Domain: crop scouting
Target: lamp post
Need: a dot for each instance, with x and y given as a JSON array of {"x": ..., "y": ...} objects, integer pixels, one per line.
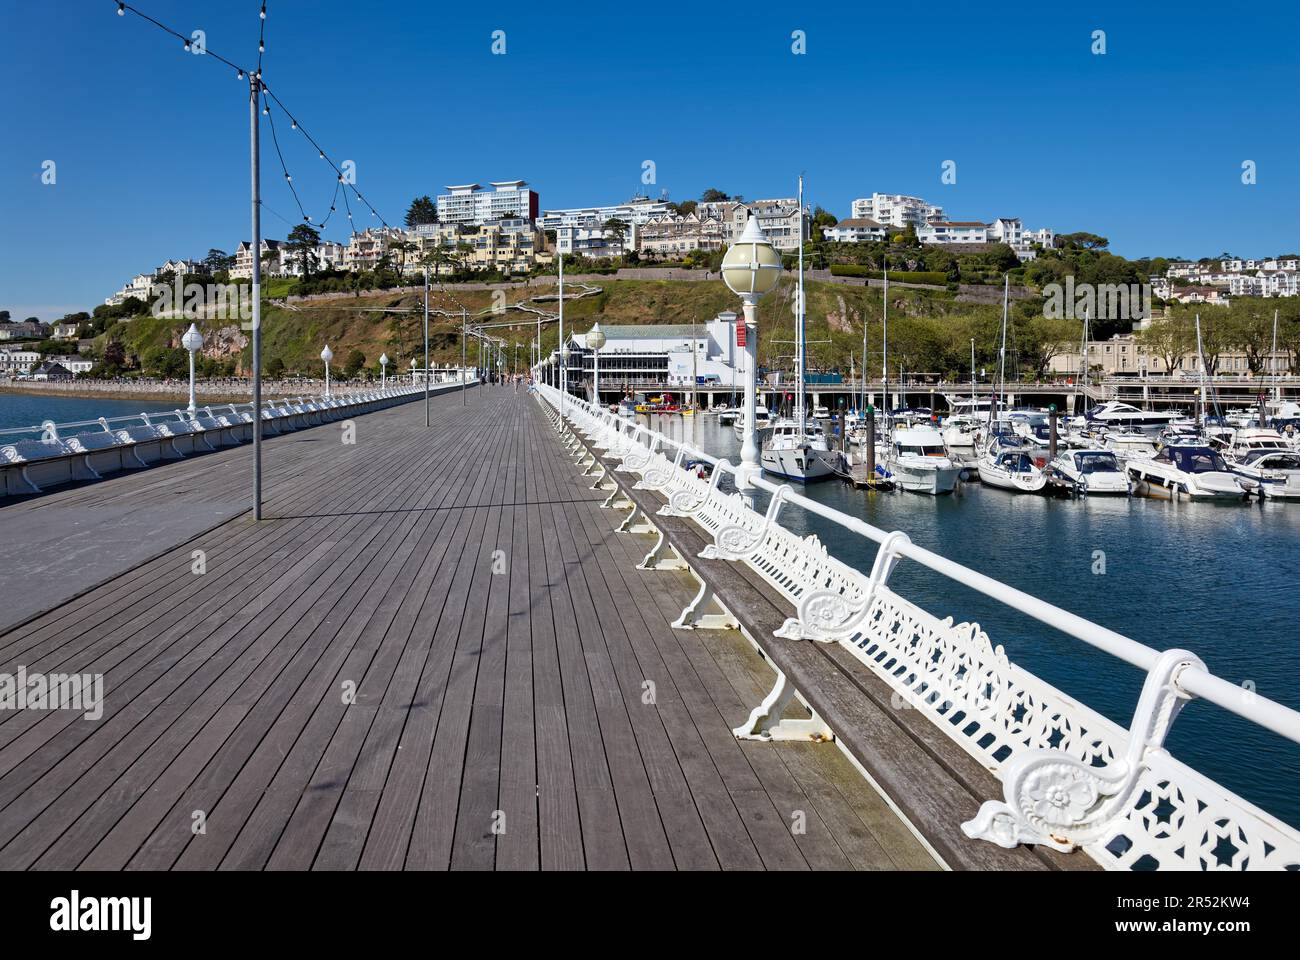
[
  {"x": 750, "y": 269},
  {"x": 192, "y": 341},
  {"x": 564, "y": 372},
  {"x": 383, "y": 371},
  {"x": 596, "y": 340},
  {"x": 327, "y": 355}
]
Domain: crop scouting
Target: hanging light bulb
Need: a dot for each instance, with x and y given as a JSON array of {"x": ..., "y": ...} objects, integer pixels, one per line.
[
  {"x": 121, "y": 9},
  {"x": 293, "y": 125},
  {"x": 266, "y": 111},
  {"x": 322, "y": 154},
  {"x": 263, "y": 11},
  {"x": 289, "y": 178},
  {"x": 261, "y": 47},
  {"x": 239, "y": 74},
  {"x": 307, "y": 218},
  {"x": 187, "y": 44}
]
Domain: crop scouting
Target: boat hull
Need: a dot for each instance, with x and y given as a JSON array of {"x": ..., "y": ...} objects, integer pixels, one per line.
[
  {"x": 802, "y": 467},
  {"x": 914, "y": 479},
  {"x": 1015, "y": 482}
]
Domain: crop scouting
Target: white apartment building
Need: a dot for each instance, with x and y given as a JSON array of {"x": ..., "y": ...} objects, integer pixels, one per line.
[
  {"x": 1008, "y": 230},
  {"x": 779, "y": 219},
  {"x": 594, "y": 242},
  {"x": 674, "y": 235},
  {"x": 13, "y": 362},
  {"x": 638, "y": 211},
  {"x": 75, "y": 364},
  {"x": 896, "y": 210},
  {"x": 956, "y": 231},
  {"x": 855, "y": 230},
  {"x": 470, "y": 203},
  {"x": 140, "y": 287},
  {"x": 272, "y": 259},
  {"x": 367, "y": 248}
]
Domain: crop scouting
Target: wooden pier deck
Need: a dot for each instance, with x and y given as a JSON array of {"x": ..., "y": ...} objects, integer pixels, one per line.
[{"x": 434, "y": 653}]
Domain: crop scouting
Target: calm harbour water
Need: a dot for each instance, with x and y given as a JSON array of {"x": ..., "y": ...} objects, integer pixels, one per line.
[
  {"x": 1220, "y": 580},
  {"x": 24, "y": 410}
]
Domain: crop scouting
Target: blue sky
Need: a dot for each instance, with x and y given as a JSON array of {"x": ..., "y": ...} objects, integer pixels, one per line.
[{"x": 1143, "y": 145}]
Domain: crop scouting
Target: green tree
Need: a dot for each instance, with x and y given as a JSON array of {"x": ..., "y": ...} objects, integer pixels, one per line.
[
  {"x": 275, "y": 368},
  {"x": 353, "y": 363},
  {"x": 302, "y": 243},
  {"x": 713, "y": 195},
  {"x": 421, "y": 210},
  {"x": 218, "y": 260},
  {"x": 1169, "y": 338}
]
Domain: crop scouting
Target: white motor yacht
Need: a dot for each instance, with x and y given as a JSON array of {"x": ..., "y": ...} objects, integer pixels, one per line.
[
  {"x": 1255, "y": 440},
  {"x": 919, "y": 462},
  {"x": 762, "y": 420},
  {"x": 1125, "y": 445},
  {"x": 1091, "y": 472},
  {"x": 961, "y": 432},
  {"x": 1124, "y": 416},
  {"x": 1189, "y": 471},
  {"x": 1276, "y": 472}
]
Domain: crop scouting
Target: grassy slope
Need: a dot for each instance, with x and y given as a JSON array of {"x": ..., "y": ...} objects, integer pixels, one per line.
[{"x": 835, "y": 314}]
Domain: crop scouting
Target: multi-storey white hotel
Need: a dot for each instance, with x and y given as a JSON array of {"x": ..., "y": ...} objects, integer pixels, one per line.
[
  {"x": 896, "y": 210},
  {"x": 470, "y": 203}
]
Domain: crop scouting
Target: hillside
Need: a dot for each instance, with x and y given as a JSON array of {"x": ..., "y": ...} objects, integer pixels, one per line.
[{"x": 929, "y": 330}]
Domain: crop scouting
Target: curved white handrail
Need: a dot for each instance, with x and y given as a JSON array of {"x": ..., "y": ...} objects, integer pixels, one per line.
[{"x": 1107, "y": 764}]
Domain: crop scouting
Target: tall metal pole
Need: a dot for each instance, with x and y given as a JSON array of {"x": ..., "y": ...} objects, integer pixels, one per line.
[
  {"x": 564, "y": 380},
  {"x": 426, "y": 345},
  {"x": 749, "y": 445},
  {"x": 254, "y": 89},
  {"x": 801, "y": 413},
  {"x": 463, "y": 360}
]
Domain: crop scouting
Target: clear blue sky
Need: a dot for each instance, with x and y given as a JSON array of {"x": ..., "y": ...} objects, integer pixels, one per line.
[{"x": 1143, "y": 145}]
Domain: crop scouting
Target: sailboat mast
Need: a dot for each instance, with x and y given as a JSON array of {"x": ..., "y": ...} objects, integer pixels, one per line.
[
  {"x": 1200, "y": 355},
  {"x": 801, "y": 413},
  {"x": 1002, "y": 353},
  {"x": 884, "y": 348},
  {"x": 1272, "y": 362}
]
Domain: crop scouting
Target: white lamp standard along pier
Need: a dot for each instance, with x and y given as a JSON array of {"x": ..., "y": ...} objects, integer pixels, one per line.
[
  {"x": 383, "y": 371},
  {"x": 327, "y": 355},
  {"x": 750, "y": 268},
  {"x": 192, "y": 341},
  {"x": 596, "y": 340}
]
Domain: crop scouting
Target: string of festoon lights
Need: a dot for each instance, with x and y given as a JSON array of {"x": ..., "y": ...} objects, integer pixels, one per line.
[{"x": 342, "y": 182}]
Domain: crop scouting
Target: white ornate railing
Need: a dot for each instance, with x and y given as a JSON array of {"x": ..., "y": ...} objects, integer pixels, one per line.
[{"x": 1071, "y": 778}]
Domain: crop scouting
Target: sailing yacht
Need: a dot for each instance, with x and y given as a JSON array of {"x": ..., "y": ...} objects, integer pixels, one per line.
[
  {"x": 1006, "y": 462},
  {"x": 797, "y": 448}
]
